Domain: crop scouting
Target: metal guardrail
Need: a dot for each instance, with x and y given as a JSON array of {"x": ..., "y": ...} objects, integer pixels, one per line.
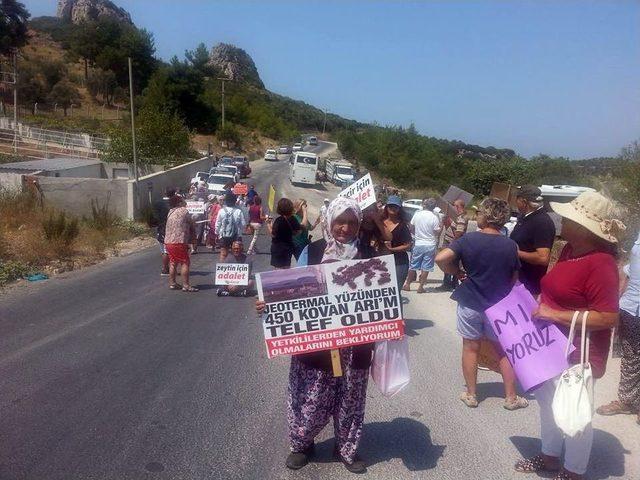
[{"x": 35, "y": 142}]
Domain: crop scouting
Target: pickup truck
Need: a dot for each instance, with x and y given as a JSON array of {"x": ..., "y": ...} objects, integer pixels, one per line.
[{"x": 340, "y": 172}]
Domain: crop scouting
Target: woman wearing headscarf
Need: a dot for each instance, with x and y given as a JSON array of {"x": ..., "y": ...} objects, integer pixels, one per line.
[
  {"x": 315, "y": 395},
  {"x": 585, "y": 278}
]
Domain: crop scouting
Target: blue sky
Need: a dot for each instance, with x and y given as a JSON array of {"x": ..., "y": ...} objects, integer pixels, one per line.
[{"x": 556, "y": 77}]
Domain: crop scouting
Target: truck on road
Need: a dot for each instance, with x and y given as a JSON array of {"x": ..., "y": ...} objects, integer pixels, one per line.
[
  {"x": 303, "y": 168},
  {"x": 340, "y": 172}
]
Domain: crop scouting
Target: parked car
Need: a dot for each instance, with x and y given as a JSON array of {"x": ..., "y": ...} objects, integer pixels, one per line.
[
  {"x": 271, "y": 155},
  {"x": 284, "y": 149},
  {"x": 411, "y": 206},
  {"x": 218, "y": 181},
  {"x": 228, "y": 169},
  {"x": 297, "y": 147},
  {"x": 200, "y": 177},
  {"x": 226, "y": 161},
  {"x": 313, "y": 141},
  {"x": 242, "y": 163}
]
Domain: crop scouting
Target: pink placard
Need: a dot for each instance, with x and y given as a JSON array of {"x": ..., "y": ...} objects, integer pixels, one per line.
[{"x": 535, "y": 348}]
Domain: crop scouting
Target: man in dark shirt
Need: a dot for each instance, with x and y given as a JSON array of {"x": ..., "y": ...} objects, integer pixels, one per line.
[
  {"x": 160, "y": 210},
  {"x": 534, "y": 233}
]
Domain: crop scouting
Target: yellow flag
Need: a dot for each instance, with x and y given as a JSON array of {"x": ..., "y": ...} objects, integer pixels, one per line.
[{"x": 272, "y": 198}]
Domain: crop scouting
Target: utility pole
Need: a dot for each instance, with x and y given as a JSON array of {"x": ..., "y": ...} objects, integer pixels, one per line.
[
  {"x": 222, "y": 82},
  {"x": 133, "y": 127},
  {"x": 15, "y": 102},
  {"x": 324, "y": 124}
]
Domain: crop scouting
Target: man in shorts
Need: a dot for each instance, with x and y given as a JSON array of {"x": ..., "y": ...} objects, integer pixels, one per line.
[{"x": 425, "y": 225}]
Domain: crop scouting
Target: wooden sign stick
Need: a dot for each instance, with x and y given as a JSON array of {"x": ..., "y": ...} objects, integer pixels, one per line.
[{"x": 335, "y": 363}]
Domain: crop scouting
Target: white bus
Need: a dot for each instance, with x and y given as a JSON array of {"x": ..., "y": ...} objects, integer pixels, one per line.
[{"x": 303, "y": 168}]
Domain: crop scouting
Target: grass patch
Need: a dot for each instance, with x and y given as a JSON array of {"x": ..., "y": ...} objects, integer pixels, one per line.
[{"x": 33, "y": 236}]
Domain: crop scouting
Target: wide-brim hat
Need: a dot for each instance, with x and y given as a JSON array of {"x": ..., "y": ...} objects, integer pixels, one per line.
[{"x": 595, "y": 212}]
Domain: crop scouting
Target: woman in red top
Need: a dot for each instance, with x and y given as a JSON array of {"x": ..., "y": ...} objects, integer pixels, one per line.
[{"x": 584, "y": 279}]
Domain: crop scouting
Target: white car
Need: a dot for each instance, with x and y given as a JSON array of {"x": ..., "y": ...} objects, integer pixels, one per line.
[
  {"x": 412, "y": 203},
  {"x": 200, "y": 177},
  {"x": 217, "y": 182},
  {"x": 271, "y": 155},
  {"x": 284, "y": 149},
  {"x": 297, "y": 147},
  {"x": 229, "y": 170}
]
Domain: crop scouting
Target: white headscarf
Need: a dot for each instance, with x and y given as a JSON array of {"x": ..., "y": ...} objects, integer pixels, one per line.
[{"x": 336, "y": 250}]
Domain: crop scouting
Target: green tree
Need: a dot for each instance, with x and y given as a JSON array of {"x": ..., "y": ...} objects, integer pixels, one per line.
[
  {"x": 199, "y": 59},
  {"x": 161, "y": 138},
  {"x": 179, "y": 88},
  {"x": 103, "y": 83},
  {"x": 65, "y": 94},
  {"x": 13, "y": 26}
]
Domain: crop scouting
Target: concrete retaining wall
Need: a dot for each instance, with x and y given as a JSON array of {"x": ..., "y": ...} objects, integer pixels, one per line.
[
  {"x": 152, "y": 187},
  {"x": 10, "y": 181},
  {"x": 74, "y": 195}
]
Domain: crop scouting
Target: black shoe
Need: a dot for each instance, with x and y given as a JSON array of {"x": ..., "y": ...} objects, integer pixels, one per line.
[
  {"x": 297, "y": 460},
  {"x": 223, "y": 293}
]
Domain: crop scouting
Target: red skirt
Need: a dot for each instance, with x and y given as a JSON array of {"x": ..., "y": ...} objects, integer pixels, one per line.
[{"x": 178, "y": 252}]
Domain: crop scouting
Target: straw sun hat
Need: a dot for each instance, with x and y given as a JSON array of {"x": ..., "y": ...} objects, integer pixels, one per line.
[{"x": 595, "y": 212}]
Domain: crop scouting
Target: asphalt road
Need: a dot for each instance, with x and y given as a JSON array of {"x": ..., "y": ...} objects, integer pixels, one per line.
[{"x": 106, "y": 374}]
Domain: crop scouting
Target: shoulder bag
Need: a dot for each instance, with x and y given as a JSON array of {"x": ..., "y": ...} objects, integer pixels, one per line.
[{"x": 573, "y": 399}]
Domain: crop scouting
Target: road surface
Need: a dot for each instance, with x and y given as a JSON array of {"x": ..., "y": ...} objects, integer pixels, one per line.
[{"x": 106, "y": 374}]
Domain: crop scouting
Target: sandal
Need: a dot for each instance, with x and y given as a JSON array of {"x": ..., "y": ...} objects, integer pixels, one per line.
[
  {"x": 516, "y": 403},
  {"x": 175, "y": 286},
  {"x": 562, "y": 475},
  {"x": 615, "y": 408},
  {"x": 469, "y": 400},
  {"x": 189, "y": 288},
  {"x": 421, "y": 290},
  {"x": 533, "y": 465}
]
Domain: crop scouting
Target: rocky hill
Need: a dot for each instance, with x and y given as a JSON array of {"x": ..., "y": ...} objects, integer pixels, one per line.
[
  {"x": 78, "y": 11},
  {"x": 235, "y": 63}
]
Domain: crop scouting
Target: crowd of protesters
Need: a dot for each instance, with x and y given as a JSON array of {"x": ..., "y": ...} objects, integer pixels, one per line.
[{"x": 479, "y": 267}]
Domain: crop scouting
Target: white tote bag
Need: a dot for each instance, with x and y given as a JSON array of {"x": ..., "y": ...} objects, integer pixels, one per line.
[
  {"x": 390, "y": 368},
  {"x": 573, "y": 400}
]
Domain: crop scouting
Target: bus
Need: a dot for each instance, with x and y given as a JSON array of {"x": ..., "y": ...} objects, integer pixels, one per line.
[{"x": 303, "y": 168}]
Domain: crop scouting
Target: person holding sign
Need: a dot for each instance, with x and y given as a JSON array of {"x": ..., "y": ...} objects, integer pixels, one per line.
[
  {"x": 400, "y": 243},
  {"x": 585, "y": 278},
  {"x": 315, "y": 395},
  {"x": 237, "y": 256},
  {"x": 491, "y": 264}
]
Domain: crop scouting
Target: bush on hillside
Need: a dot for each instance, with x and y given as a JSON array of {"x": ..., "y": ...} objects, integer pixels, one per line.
[{"x": 161, "y": 138}]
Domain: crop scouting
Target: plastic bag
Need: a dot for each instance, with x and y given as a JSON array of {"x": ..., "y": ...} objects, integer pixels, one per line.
[{"x": 390, "y": 368}]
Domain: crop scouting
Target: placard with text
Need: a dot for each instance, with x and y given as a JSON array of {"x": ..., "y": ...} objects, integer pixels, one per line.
[
  {"x": 195, "y": 207},
  {"x": 329, "y": 306},
  {"x": 362, "y": 191},
  {"x": 232, "y": 274}
]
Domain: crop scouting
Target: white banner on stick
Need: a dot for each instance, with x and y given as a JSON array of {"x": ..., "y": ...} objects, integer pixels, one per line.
[
  {"x": 362, "y": 191},
  {"x": 232, "y": 274},
  {"x": 329, "y": 306},
  {"x": 195, "y": 207}
]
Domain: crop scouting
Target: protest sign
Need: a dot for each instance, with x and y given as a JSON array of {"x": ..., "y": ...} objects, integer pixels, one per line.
[
  {"x": 361, "y": 191},
  {"x": 241, "y": 189},
  {"x": 330, "y": 306},
  {"x": 195, "y": 207},
  {"x": 535, "y": 348},
  {"x": 272, "y": 198},
  {"x": 455, "y": 193},
  {"x": 505, "y": 192},
  {"x": 447, "y": 209},
  {"x": 232, "y": 274}
]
